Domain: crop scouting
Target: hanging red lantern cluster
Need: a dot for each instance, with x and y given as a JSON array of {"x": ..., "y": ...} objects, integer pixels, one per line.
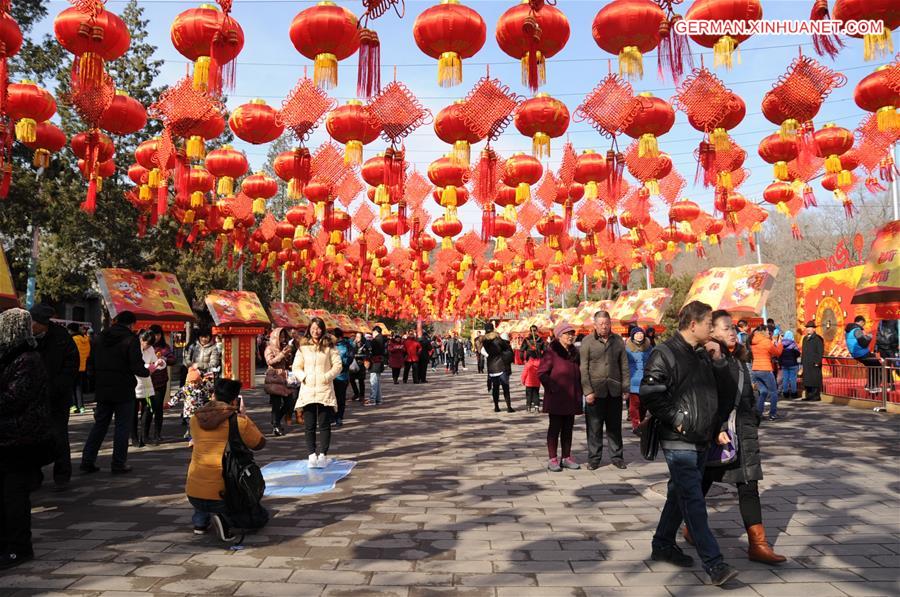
[
  {"x": 27, "y": 105},
  {"x": 212, "y": 40},
  {"x": 542, "y": 118},
  {"x": 449, "y": 33},
  {"x": 655, "y": 118},
  {"x": 256, "y": 122},
  {"x": 353, "y": 125},
  {"x": 628, "y": 29},
  {"x": 532, "y": 33},
  {"x": 326, "y": 34},
  {"x": 124, "y": 116},
  {"x": 226, "y": 164},
  {"x": 724, "y": 47}
]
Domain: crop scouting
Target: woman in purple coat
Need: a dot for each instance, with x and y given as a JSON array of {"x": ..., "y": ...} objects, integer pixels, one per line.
[{"x": 561, "y": 377}]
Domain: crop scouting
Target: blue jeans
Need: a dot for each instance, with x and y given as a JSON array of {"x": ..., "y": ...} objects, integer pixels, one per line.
[
  {"x": 789, "y": 380},
  {"x": 765, "y": 383},
  {"x": 375, "y": 383},
  {"x": 203, "y": 508},
  {"x": 685, "y": 501}
]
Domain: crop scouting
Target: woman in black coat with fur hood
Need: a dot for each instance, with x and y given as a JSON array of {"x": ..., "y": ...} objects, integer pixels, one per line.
[{"x": 26, "y": 436}]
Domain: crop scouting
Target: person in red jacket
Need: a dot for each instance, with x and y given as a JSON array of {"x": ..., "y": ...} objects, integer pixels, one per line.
[
  {"x": 396, "y": 356},
  {"x": 413, "y": 348}
]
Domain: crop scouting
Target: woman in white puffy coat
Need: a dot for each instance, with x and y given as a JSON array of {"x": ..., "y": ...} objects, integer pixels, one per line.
[{"x": 316, "y": 364}]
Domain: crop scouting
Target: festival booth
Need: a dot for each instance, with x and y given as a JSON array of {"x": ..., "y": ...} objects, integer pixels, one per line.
[
  {"x": 238, "y": 317},
  {"x": 642, "y": 307},
  {"x": 742, "y": 290},
  {"x": 361, "y": 325},
  {"x": 328, "y": 318},
  {"x": 879, "y": 284},
  {"x": 155, "y": 298},
  {"x": 8, "y": 296},
  {"x": 288, "y": 315},
  {"x": 583, "y": 320}
]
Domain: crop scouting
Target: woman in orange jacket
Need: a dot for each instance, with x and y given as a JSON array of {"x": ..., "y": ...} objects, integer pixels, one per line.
[{"x": 764, "y": 350}]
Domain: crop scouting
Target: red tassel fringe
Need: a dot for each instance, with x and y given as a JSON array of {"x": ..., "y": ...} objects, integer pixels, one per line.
[
  {"x": 90, "y": 201},
  {"x": 368, "y": 75},
  {"x": 824, "y": 44}
]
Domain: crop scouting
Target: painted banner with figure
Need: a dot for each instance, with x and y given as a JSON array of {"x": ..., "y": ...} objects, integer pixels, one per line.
[
  {"x": 741, "y": 290},
  {"x": 236, "y": 307},
  {"x": 288, "y": 315},
  {"x": 880, "y": 279},
  {"x": 151, "y": 296},
  {"x": 643, "y": 307}
]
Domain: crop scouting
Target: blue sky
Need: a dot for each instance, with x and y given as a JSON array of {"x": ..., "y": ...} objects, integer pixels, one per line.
[{"x": 269, "y": 67}]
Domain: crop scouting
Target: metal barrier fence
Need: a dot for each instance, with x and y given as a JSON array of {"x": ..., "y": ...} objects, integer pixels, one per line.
[{"x": 844, "y": 377}]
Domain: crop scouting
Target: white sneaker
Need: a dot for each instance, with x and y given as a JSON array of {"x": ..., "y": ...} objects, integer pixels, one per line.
[
  {"x": 324, "y": 461},
  {"x": 313, "y": 461}
]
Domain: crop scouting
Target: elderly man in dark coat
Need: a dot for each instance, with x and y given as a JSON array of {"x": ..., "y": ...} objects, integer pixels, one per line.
[
  {"x": 812, "y": 353},
  {"x": 60, "y": 356}
]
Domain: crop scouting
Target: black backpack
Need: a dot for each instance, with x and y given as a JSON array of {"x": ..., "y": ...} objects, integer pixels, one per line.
[{"x": 244, "y": 483}]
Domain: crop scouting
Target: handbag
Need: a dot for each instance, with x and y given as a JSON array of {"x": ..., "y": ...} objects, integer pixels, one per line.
[
  {"x": 354, "y": 367},
  {"x": 720, "y": 455},
  {"x": 650, "y": 437},
  {"x": 276, "y": 382}
]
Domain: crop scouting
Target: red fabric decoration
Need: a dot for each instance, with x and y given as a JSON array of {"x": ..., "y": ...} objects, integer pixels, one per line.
[
  {"x": 304, "y": 108},
  {"x": 399, "y": 112},
  {"x": 488, "y": 108},
  {"x": 609, "y": 107}
]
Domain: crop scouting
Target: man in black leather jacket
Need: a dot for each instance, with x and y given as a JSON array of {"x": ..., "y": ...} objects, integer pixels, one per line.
[{"x": 680, "y": 388}]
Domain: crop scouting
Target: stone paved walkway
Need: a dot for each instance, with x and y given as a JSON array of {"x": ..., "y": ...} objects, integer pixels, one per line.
[{"x": 450, "y": 498}]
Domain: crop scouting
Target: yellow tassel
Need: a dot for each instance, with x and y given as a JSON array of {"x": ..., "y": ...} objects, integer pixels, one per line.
[
  {"x": 670, "y": 246},
  {"x": 719, "y": 139},
  {"x": 41, "y": 158},
  {"x": 788, "y": 130},
  {"x": 425, "y": 258},
  {"x": 259, "y": 206},
  {"x": 330, "y": 251},
  {"x": 325, "y": 71},
  {"x": 529, "y": 265},
  {"x": 832, "y": 164},
  {"x": 381, "y": 194},
  {"x": 339, "y": 258},
  {"x": 335, "y": 237},
  {"x": 353, "y": 152},
  {"x": 225, "y": 186},
  {"x": 448, "y": 196},
  {"x": 319, "y": 210},
  {"x": 144, "y": 192},
  {"x": 541, "y": 69},
  {"x": 876, "y": 45},
  {"x": 196, "y": 199},
  {"x": 484, "y": 286},
  {"x": 648, "y": 146},
  {"x": 450, "y": 214},
  {"x": 201, "y": 73},
  {"x": 713, "y": 239},
  {"x": 293, "y": 190},
  {"x": 558, "y": 257},
  {"x": 396, "y": 242},
  {"x": 189, "y": 216},
  {"x": 631, "y": 63},
  {"x": 756, "y": 227},
  {"x": 195, "y": 149},
  {"x": 509, "y": 213},
  {"x": 724, "y": 179},
  {"x": 724, "y": 52},
  {"x": 228, "y": 224},
  {"x": 460, "y": 276},
  {"x": 461, "y": 152},
  {"x": 588, "y": 260},
  {"x": 384, "y": 210},
  {"x": 844, "y": 178},
  {"x": 781, "y": 170},
  {"x": 887, "y": 118},
  {"x": 501, "y": 246},
  {"x": 590, "y": 190},
  {"x": 652, "y": 186},
  {"x": 540, "y": 145},
  {"x": 99, "y": 183},
  {"x": 782, "y": 208},
  {"x": 285, "y": 244},
  {"x": 523, "y": 189},
  {"x": 498, "y": 276},
  {"x": 263, "y": 248},
  {"x": 26, "y": 130},
  {"x": 153, "y": 178},
  {"x": 449, "y": 69},
  {"x": 447, "y": 242}
]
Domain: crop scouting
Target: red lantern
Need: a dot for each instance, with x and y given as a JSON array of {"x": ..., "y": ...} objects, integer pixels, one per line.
[
  {"x": 28, "y": 104},
  {"x": 450, "y": 127},
  {"x": 210, "y": 39},
  {"x": 503, "y": 229},
  {"x": 10, "y": 44},
  {"x": 395, "y": 227},
  {"x": 591, "y": 168},
  {"x": 260, "y": 187},
  {"x": 449, "y": 32},
  {"x": 875, "y": 44},
  {"x": 226, "y": 164},
  {"x": 876, "y": 93},
  {"x": 48, "y": 139},
  {"x": 101, "y": 170},
  {"x": 655, "y": 118},
  {"x": 684, "y": 211},
  {"x": 779, "y": 193},
  {"x": 353, "y": 125},
  {"x": 629, "y": 29},
  {"x": 199, "y": 183},
  {"x": 778, "y": 151},
  {"x": 325, "y": 33},
  {"x": 335, "y": 223},
  {"x": 205, "y": 130},
  {"x": 462, "y": 197},
  {"x": 735, "y": 11},
  {"x": 737, "y": 109},
  {"x": 93, "y": 40},
  {"x": 124, "y": 116},
  {"x": 84, "y": 143},
  {"x": 532, "y": 36},
  {"x": 831, "y": 142},
  {"x": 542, "y": 118},
  {"x": 294, "y": 167},
  {"x": 256, "y": 122},
  {"x": 520, "y": 172},
  {"x": 449, "y": 176},
  {"x": 138, "y": 174},
  {"x": 550, "y": 227}
]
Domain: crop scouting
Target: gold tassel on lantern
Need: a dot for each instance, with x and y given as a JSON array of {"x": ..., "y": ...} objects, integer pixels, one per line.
[
  {"x": 833, "y": 164},
  {"x": 782, "y": 208},
  {"x": 194, "y": 148},
  {"x": 384, "y": 210},
  {"x": 225, "y": 187},
  {"x": 887, "y": 118},
  {"x": 652, "y": 186},
  {"x": 447, "y": 242},
  {"x": 153, "y": 178},
  {"x": 719, "y": 139},
  {"x": 335, "y": 237},
  {"x": 541, "y": 68},
  {"x": 501, "y": 246},
  {"x": 723, "y": 179},
  {"x": 293, "y": 189},
  {"x": 648, "y": 146},
  {"x": 381, "y": 194},
  {"x": 876, "y": 45},
  {"x": 448, "y": 196},
  {"x": 228, "y": 224},
  {"x": 724, "y": 51},
  {"x": 329, "y": 251},
  {"x": 590, "y": 190},
  {"x": 781, "y": 170},
  {"x": 26, "y": 130},
  {"x": 509, "y": 213},
  {"x": 41, "y": 158},
  {"x": 396, "y": 242},
  {"x": 259, "y": 206},
  {"x": 540, "y": 145},
  {"x": 523, "y": 189},
  {"x": 325, "y": 71},
  {"x": 631, "y": 63},
  {"x": 144, "y": 192},
  {"x": 188, "y": 217},
  {"x": 449, "y": 214},
  {"x": 449, "y": 69},
  {"x": 789, "y": 128},
  {"x": 844, "y": 178},
  {"x": 319, "y": 210},
  {"x": 201, "y": 73},
  {"x": 353, "y": 152},
  {"x": 196, "y": 199},
  {"x": 461, "y": 152}
]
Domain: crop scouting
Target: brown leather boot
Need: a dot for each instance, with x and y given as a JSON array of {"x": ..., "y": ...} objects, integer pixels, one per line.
[
  {"x": 759, "y": 550},
  {"x": 687, "y": 535}
]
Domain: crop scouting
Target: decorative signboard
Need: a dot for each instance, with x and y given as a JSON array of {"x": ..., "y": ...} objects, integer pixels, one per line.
[
  {"x": 153, "y": 297},
  {"x": 741, "y": 290}
]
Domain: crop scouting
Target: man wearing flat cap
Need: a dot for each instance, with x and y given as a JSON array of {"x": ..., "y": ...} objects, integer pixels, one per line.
[
  {"x": 811, "y": 361},
  {"x": 60, "y": 356}
]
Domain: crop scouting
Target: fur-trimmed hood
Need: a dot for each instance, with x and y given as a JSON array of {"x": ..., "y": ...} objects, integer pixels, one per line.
[{"x": 327, "y": 341}]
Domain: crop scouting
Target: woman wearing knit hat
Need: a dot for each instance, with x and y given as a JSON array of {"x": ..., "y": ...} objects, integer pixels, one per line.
[
  {"x": 638, "y": 350},
  {"x": 561, "y": 377}
]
